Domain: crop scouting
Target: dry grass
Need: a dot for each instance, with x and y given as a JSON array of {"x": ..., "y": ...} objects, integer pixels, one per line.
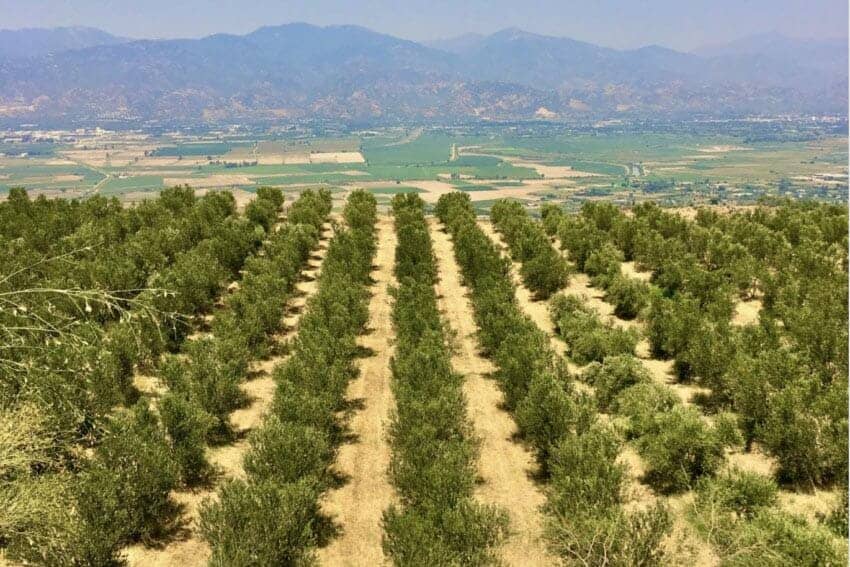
[
  {"x": 359, "y": 504},
  {"x": 506, "y": 467}
]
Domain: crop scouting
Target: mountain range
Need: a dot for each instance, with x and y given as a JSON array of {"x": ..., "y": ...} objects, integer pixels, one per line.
[{"x": 351, "y": 73}]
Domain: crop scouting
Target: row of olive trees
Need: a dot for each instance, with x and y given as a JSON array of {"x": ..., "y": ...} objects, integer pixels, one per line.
[
  {"x": 272, "y": 517},
  {"x": 544, "y": 271},
  {"x": 791, "y": 368},
  {"x": 678, "y": 446},
  {"x": 588, "y": 524},
  {"x": 121, "y": 493},
  {"x": 433, "y": 461}
]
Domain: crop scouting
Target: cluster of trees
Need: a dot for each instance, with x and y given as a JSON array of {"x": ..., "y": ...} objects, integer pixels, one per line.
[
  {"x": 786, "y": 377},
  {"x": 272, "y": 517},
  {"x": 67, "y": 506},
  {"x": 588, "y": 524},
  {"x": 544, "y": 271},
  {"x": 588, "y": 338},
  {"x": 781, "y": 383},
  {"x": 433, "y": 462}
]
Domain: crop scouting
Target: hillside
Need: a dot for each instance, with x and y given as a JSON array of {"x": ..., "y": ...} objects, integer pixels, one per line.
[{"x": 351, "y": 73}]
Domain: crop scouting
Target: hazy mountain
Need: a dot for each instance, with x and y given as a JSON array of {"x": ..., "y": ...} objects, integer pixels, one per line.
[
  {"x": 458, "y": 44},
  {"x": 35, "y": 42},
  {"x": 348, "y": 72},
  {"x": 773, "y": 51}
]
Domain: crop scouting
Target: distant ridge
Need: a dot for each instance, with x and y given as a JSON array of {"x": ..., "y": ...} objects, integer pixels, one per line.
[
  {"x": 35, "y": 42},
  {"x": 355, "y": 74}
]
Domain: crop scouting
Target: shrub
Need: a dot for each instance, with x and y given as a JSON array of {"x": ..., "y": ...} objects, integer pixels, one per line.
[
  {"x": 670, "y": 323},
  {"x": 187, "y": 425},
  {"x": 629, "y": 296},
  {"x": 543, "y": 270},
  {"x": 272, "y": 194},
  {"x": 679, "y": 449},
  {"x": 549, "y": 412},
  {"x": 523, "y": 353},
  {"x": 588, "y": 338},
  {"x": 467, "y": 534},
  {"x": 123, "y": 492},
  {"x": 603, "y": 265},
  {"x": 545, "y": 273},
  {"x": 793, "y": 431},
  {"x": 286, "y": 452},
  {"x": 585, "y": 476},
  {"x": 741, "y": 492},
  {"x": 212, "y": 382},
  {"x": 262, "y": 212},
  {"x": 837, "y": 518},
  {"x": 726, "y": 425},
  {"x": 613, "y": 375},
  {"x": 640, "y": 403},
  {"x": 260, "y": 523}
]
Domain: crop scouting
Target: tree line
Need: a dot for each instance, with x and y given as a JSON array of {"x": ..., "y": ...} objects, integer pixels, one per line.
[{"x": 433, "y": 462}]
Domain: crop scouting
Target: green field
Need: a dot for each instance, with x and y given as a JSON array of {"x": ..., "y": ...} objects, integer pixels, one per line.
[
  {"x": 675, "y": 167},
  {"x": 115, "y": 186}
]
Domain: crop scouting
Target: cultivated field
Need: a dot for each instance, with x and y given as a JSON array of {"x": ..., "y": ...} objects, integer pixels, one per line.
[
  {"x": 187, "y": 381},
  {"x": 673, "y": 165}
]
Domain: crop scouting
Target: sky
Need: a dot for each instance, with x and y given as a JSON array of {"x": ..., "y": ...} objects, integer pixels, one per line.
[{"x": 679, "y": 24}]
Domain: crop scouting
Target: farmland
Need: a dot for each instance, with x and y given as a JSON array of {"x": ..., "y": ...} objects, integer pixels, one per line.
[
  {"x": 464, "y": 346},
  {"x": 671, "y": 164}
]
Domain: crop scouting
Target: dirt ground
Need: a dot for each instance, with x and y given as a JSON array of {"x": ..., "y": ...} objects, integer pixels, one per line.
[
  {"x": 358, "y": 505},
  {"x": 506, "y": 467},
  {"x": 746, "y": 312},
  {"x": 188, "y": 549}
]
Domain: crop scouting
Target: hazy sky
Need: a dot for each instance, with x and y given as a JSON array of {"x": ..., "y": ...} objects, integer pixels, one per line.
[{"x": 681, "y": 24}]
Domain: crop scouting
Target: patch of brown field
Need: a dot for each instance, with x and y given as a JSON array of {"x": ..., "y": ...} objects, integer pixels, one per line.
[
  {"x": 746, "y": 312},
  {"x": 756, "y": 461},
  {"x": 505, "y": 467},
  {"x": 638, "y": 495},
  {"x": 357, "y": 507},
  {"x": 65, "y": 178},
  {"x": 336, "y": 157},
  {"x": 810, "y": 505},
  {"x": 552, "y": 171},
  {"x": 629, "y": 269},
  {"x": 683, "y": 546},
  {"x": 722, "y": 149},
  {"x": 121, "y": 157},
  {"x": 189, "y": 549},
  {"x": 148, "y": 385}
]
